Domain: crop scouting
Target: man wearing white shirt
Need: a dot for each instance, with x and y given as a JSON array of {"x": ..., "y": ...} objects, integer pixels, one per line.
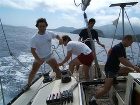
[
  {"x": 84, "y": 55},
  {"x": 41, "y": 49}
]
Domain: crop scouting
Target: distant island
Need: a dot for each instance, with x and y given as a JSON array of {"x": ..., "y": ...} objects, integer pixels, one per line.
[
  {"x": 19, "y": 37},
  {"x": 100, "y": 33},
  {"x": 106, "y": 31}
]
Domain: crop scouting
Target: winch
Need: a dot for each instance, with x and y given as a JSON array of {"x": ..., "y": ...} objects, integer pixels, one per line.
[
  {"x": 61, "y": 98},
  {"x": 47, "y": 77},
  {"x": 65, "y": 76}
]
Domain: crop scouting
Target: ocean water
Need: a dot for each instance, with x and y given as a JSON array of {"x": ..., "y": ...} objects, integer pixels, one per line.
[{"x": 14, "y": 74}]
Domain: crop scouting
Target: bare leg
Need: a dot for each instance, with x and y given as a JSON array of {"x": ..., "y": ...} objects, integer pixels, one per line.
[
  {"x": 102, "y": 91},
  {"x": 77, "y": 67},
  {"x": 73, "y": 63},
  {"x": 86, "y": 72},
  {"x": 34, "y": 70},
  {"x": 52, "y": 62}
]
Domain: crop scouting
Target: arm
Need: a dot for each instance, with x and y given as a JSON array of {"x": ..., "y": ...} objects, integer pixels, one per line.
[
  {"x": 97, "y": 39},
  {"x": 36, "y": 56},
  {"x": 100, "y": 43},
  {"x": 59, "y": 38},
  {"x": 69, "y": 54},
  {"x": 81, "y": 34},
  {"x": 126, "y": 62},
  {"x": 80, "y": 39}
]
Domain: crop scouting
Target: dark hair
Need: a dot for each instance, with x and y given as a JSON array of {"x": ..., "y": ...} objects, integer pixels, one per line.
[
  {"x": 92, "y": 20},
  {"x": 66, "y": 38},
  {"x": 129, "y": 37},
  {"x": 40, "y": 20}
]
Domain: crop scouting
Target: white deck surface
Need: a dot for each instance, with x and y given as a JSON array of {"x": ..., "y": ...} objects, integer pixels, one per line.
[
  {"x": 55, "y": 87},
  {"x": 25, "y": 98}
]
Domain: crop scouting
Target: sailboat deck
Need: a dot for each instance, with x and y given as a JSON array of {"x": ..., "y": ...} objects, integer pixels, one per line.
[
  {"x": 107, "y": 99},
  {"x": 120, "y": 89}
]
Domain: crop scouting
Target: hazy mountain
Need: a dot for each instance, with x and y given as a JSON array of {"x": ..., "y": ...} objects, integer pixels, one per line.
[
  {"x": 77, "y": 31},
  {"x": 64, "y": 29},
  {"x": 18, "y": 38},
  {"x": 109, "y": 30}
]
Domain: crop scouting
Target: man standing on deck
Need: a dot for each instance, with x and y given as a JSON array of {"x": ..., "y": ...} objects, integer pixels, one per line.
[
  {"x": 84, "y": 37},
  {"x": 84, "y": 55},
  {"x": 84, "y": 34},
  {"x": 41, "y": 50},
  {"x": 116, "y": 56}
]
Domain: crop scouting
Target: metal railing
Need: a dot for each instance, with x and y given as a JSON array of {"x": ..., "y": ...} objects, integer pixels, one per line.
[{"x": 2, "y": 99}]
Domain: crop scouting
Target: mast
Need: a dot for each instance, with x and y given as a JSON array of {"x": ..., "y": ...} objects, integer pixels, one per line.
[
  {"x": 85, "y": 4},
  {"x": 123, "y": 5}
]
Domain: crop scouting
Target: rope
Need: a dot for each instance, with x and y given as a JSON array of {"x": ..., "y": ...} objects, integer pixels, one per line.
[
  {"x": 54, "y": 50},
  {"x": 63, "y": 51},
  {"x": 11, "y": 54},
  {"x": 135, "y": 38},
  {"x": 3, "y": 99},
  {"x": 77, "y": 5},
  {"x": 16, "y": 59},
  {"x": 115, "y": 29},
  {"x": 5, "y": 38},
  {"x": 88, "y": 39}
]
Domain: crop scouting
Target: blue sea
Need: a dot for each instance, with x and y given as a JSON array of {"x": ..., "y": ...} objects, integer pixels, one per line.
[{"x": 14, "y": 74}]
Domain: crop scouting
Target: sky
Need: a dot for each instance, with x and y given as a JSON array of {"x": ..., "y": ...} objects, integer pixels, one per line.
[{"x": 63, "y": 12}]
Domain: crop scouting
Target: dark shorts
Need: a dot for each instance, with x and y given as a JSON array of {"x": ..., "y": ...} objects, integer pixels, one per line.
[
  {"x": 111, "y": 73},
  {"x": 86, "y": 59}
]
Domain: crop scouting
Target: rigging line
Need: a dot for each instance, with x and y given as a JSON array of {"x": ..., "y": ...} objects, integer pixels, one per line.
[
  {"x": 88, "y": 39},
  {"x": 132, "y": 53},
  {"x": 115, "y": 29},
  {"x": 134, "y": 35},
  {"x": 5, "y": 37},
  {"x": 54, "y": 50},
  {"x": 63, "y": 51},
  {"x": 57, "y": 54},
  {"x": 3, "y": 98},
  {"x": 100, "y": 52},
  {"x": 16, "y": 59},
  {"x": 43, "y": 68},
  {"x": 77, "y": 5},
  {"x": 11, "y": 54}
]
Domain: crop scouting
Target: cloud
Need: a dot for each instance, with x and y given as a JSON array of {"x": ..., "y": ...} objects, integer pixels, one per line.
[
  {"x": 99, "y": 9},
  {"x": 32, "y": 4},
  {"x": 73, "y": 20},
  {"x": 61, "y": 5},
  {"x": 135, "y": 20},
  {"x": 24, "y": 4}
]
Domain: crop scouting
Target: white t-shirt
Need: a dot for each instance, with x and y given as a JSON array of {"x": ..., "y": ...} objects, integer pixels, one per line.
[
  {"x": 78, "y": 47},
  {"x": 42, "y": 43}
]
